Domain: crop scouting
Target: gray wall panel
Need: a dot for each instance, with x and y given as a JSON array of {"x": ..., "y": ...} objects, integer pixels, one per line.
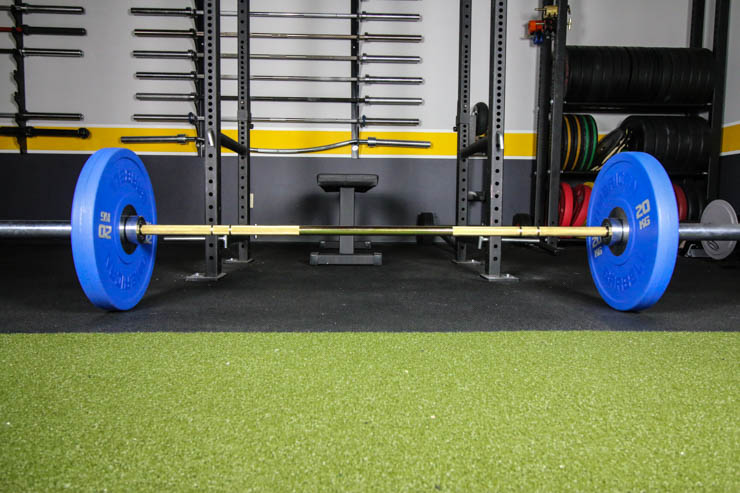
[{"x": 40, "y": 186}]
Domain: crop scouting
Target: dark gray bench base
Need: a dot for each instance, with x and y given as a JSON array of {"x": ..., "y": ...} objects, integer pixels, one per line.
[{"x": 344, "y": 259}]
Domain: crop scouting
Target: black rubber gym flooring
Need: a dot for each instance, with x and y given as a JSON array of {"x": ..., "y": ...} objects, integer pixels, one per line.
[{"x": 417, "y": 289}]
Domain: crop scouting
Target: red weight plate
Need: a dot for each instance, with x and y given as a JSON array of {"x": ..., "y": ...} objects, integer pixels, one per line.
[
  {"x": 682, "y": 202},
  {"x": 565, "y": 205},
  {"x": 582, "y": 194}
]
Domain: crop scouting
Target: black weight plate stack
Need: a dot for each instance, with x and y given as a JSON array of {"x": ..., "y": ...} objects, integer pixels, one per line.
[
  {"x": 672, "y": 137},
  {"x": 679, "y": 88},
  {"x": 622, "y": 74},
  {"x": 602, "y": 75},
  {"x": 652, "y": 59},
  {"x": 666, "y": 75},
  {"x": 652, "y": 145},
  {"x": 640, "y": 76},
  {"x": 662, "y": 137},
  {"x": 698, "y": 73},
  {"x": 694, "y": 75},
  {"x": 690, "y": 151},
  {"x": 703, "y": 143},
  {"x": 574, "y": 89},
  {"x": 707, "y": 64},
  {"x": 615, "y": 71}
]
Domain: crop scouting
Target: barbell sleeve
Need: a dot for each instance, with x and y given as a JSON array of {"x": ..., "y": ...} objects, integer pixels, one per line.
[
  {"x": 43, "y": 52},
  {"x": 43, "y": 9},
  {"x": 79, "y": 133},
  {"x": 30, "y": 115},
  {"x": 158, "y": 139},
  {"x": 46, "y": 31},
  {"x": 707, "y": 232},
  {"x": 35, "y": 230}
]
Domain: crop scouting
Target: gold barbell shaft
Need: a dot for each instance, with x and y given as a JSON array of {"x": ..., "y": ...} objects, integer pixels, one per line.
[{"x": 290, "y": 230}]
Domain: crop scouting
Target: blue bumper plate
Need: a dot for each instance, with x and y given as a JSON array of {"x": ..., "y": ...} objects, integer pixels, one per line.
[
  {"x": 635, "y": 187},
  {"x": 114, "y": 274}
]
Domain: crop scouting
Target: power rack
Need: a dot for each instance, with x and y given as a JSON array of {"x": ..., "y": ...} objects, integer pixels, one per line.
[{"x": 493, "y": 169}]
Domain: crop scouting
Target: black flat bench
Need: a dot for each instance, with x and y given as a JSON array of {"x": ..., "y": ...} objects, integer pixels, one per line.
[{"x": 346, "y": 185}]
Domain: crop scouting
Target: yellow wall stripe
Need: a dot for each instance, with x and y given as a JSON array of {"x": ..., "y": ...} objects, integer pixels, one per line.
[
  {"x": 516, "y": 144},
  {"x": 731, "y": 138}
]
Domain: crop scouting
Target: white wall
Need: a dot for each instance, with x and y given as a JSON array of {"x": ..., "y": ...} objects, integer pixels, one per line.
[
  {"x": 101, "y": 85},
  {"x": 732, "y": 90}
]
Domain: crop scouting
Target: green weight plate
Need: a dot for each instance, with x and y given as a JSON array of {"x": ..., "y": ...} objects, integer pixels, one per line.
[
  {"x": 585, "y": 142},
  {"x": 578, "y": 147},
  {"x": 594, "y": 142}
]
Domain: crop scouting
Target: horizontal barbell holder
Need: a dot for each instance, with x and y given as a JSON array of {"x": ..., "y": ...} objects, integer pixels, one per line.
[
  {"x": 30, "y": 115},
  {"x": 367, "y": 79},
  {"x": 362, "y": 16},
  {"x": 370, "y": 142},
  {"x": 367, "y": 37},
  {"x": 26, "y": 8},
  {"x": 369, "y": 100},
  {"x": 43, "y": 52},
  {"x": 192, "y": 118},
  {"x": 194, "y": 55}
]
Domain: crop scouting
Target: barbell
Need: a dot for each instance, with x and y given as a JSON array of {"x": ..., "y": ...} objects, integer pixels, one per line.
[{"x": 632, "y": 230}]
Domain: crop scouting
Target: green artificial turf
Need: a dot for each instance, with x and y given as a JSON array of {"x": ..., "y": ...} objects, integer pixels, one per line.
[{"x": 595, "y": 411}]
